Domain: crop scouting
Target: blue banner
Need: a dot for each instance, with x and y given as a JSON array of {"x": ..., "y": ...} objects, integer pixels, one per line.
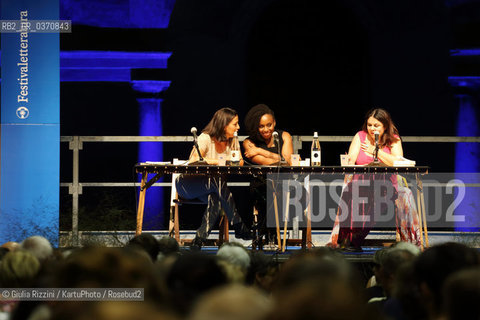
[{"x": 30, "y": 124}]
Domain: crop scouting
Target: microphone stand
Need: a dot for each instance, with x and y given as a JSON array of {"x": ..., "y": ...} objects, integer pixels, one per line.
[
  {"x": 200, "y": 161},
  {"x": 375, "y": 154},
  {"x": 198, "y": 150},
  {"x": 277, "y": 144},
  {"x": 376, "y": 162}
]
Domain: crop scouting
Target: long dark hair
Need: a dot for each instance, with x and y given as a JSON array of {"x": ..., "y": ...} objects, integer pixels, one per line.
[
  {"x": 390, "y": 135},
  {"x": 216, "y": 127},
  {"x": 252, "y": 120}
]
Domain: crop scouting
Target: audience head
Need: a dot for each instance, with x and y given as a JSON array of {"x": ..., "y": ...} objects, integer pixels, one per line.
[
  {"x": 168, "y": 246},
  {"x": 461, "y": 294},
  {"x": 147, "y": 242},
  {"x": 99, "y": 267},
  {"x": 190, "y": 276},
  {"x": 223, "y": 124},
  {"x": 234, "y": 259},
  {"x": 11, "y": 245},
  {"x": 320, "y": 286},
  {"x": 258, "y": 119},
  {"x": 386, "y": 128},
  {"x": 18, "y": 269},
  {"x": 235, "y": 254},
  {"x": 262, "y": 271},
  {"x": 408, "y": 246},
  {"x": 118, "y": 310},
  {"x": 234, "y": 302},
  {"x": 391, "y": 262},
  {"x": 433, "y": 267},
  {"x": 39, "y": 246}
]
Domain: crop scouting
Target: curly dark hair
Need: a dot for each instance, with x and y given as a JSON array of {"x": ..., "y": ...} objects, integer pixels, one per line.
[{"x": 252, "y": 120}]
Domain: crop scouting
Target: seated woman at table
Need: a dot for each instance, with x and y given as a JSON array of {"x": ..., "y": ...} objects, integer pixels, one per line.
[
  {"x": 362, "y": 147},
  {"x": 215, "y": 140},
  {"x": 350, "y": 233},
  {"x": 260, "y": 148}
]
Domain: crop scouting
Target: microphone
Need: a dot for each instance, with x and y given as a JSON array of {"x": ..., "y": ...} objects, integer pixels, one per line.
[
  {"x": 194, "y": 133},
  {"x": 277, "y": 143},
  {"x": 377, "y": 136},
  {"x": 275, "y": 136}
]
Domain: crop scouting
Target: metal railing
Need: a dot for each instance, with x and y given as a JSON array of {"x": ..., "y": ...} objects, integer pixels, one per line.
[{"x": 75, "y": 188}]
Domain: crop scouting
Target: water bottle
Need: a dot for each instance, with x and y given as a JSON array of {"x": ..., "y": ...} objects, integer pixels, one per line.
[
  {"x": 295, "y": 231},
  {"x": 235, "y": 151},
  {"x": 316, "y": 155}
]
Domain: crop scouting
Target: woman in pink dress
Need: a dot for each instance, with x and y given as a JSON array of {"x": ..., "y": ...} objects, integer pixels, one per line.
[
  {"x": 362, "y": 147},
  {"x": 357, "y": 213}
]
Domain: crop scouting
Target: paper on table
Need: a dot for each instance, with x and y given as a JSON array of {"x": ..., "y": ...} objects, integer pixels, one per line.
[
  {"x": 403, "y": 162},
  {"x": 158, "y": 163}
]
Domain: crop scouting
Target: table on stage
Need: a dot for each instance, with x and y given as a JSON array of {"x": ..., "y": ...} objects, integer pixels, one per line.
[{"x": 162, "y": 169}]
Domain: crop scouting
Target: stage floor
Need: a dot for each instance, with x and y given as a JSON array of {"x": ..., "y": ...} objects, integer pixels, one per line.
[{"x": 377, "y": 239}]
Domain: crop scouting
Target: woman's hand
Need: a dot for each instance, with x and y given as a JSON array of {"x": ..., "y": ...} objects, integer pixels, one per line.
[
  {"x": 251, "y": 152},
  {"x": 368, "y": 148}
]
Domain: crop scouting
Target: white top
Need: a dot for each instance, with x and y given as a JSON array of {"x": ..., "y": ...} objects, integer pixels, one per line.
[{"x": 207, "y": 148}]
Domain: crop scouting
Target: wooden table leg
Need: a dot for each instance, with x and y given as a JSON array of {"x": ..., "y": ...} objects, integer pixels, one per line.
[
  {"x": 419, "y": 207},
  {"x": 308, "y": 237},
  {"x": 141, "y": 204},
  {"x": 424, "y": 212},
  {"x": 277, "y": 222},
  {"x": 285, "y": 223}
]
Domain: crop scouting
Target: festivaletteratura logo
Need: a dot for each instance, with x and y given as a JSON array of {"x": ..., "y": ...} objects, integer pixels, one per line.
[{"x": 22, "y": 113}]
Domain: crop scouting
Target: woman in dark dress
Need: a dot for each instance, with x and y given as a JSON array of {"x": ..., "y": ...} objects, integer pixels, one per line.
[{"x": 262, "y": 149}]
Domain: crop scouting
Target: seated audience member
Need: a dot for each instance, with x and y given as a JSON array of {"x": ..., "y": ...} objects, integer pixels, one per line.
[
  {"x": 461, "y": 294},
  {"x": 233, "y": 302},
  {"x": 320, "y": 286},
  {"x": 374, "y": 285},
  {"x": 97, "y": 267},
  {"x": 39, "y": 246},
  {"x": 190, "y": 276},
  {"x": 168, "y": 246},
  {"x": 262, "y": 272},
  {"x": 393, "y": 260},
  {"x": 419, "y": 288},
  {"x": 235, "y": 260},
  {"x": 18, "y": 269},
  {"x": 11, "y": 245},
  {"x": 146, "y": 242}
]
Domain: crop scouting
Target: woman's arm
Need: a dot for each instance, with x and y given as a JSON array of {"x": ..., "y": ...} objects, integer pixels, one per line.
[
  {"x": 259, "y": 155},
  {"x": 396, "y": 153},
  {"x": 387, "y": 158},
  {"x": 194, "y": 157},
  {"x": 204, "y": 142},
  {"x": 287, "y": 148},
  {"x": 354, "y": 149}
]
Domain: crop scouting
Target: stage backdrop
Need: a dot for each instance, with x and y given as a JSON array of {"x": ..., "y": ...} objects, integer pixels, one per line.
[{"x": 30, "y": 125}]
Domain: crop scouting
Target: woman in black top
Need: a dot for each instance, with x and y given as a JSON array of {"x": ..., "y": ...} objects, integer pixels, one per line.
[{"x": 260, "y": 146}]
